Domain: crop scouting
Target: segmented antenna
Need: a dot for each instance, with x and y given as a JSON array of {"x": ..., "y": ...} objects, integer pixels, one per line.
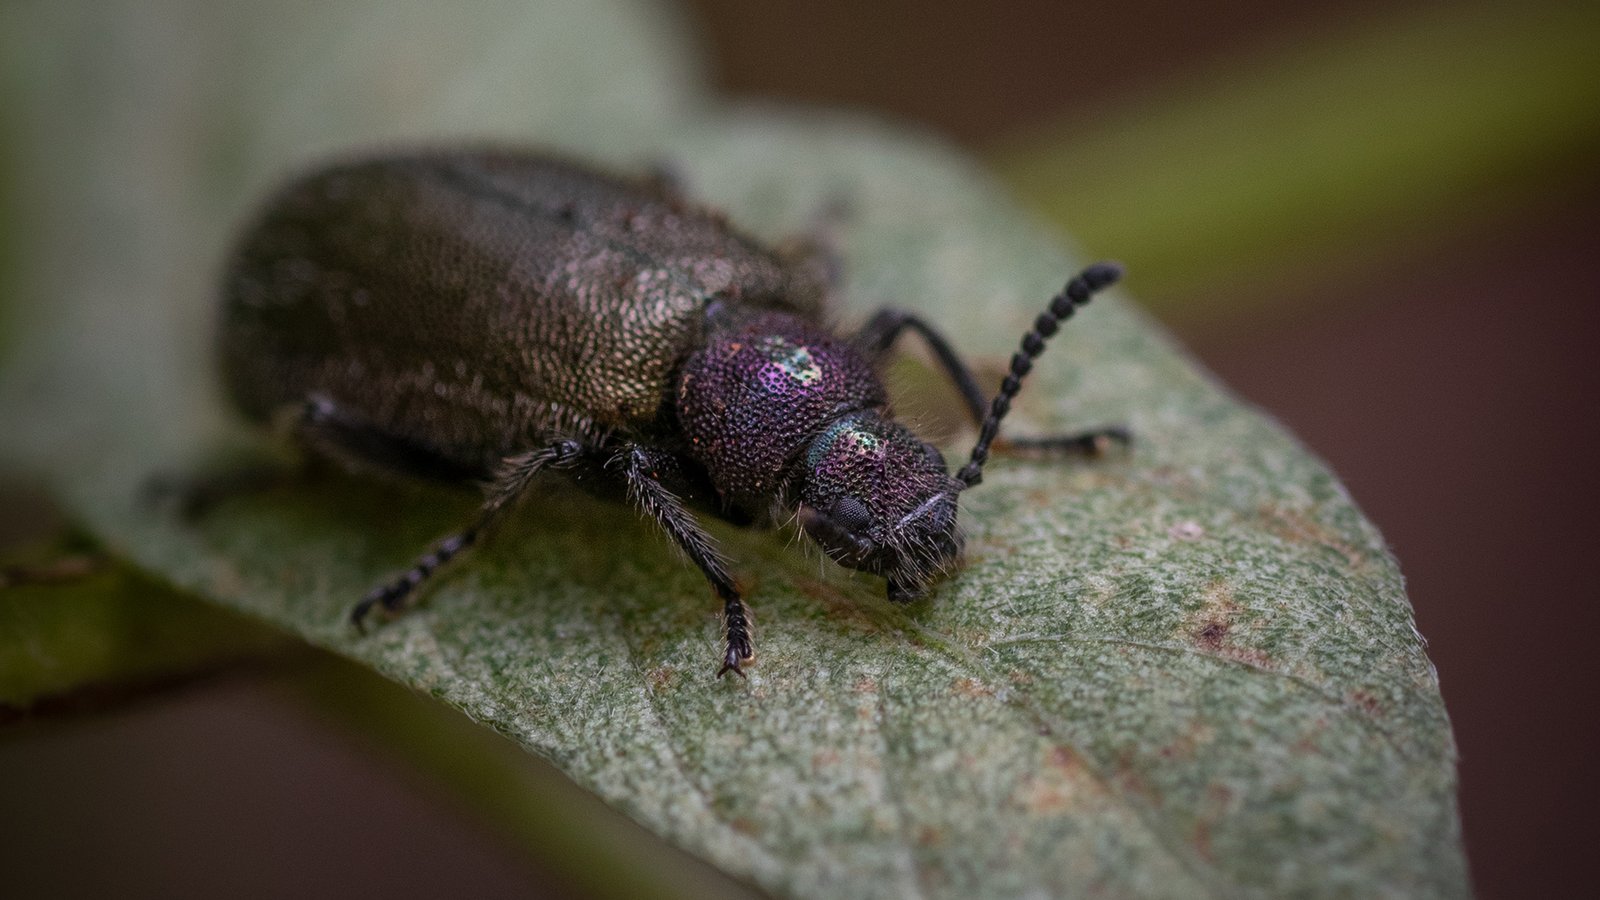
[{"x": 1077, "y": 292}]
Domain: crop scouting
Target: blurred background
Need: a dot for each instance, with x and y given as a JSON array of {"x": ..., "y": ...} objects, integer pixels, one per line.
[{"x": 1377, "y": 222}]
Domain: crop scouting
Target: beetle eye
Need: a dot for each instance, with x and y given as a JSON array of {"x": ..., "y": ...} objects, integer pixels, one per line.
[{"x": 850, "y": 514}]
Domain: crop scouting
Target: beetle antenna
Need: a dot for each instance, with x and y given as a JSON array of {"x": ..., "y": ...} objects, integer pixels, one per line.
[{"x": 1077, "y": 292}]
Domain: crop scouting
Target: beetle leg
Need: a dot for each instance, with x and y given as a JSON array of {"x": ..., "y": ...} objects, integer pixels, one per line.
[
  {"x": 879, "y": 334},
  {"x": 391, "y": 595},
  {"x": 643, "y": 467},
  {"x": 514, "y": 476},
  {"x": 884, "y": 328},
  {"x": 1089, "y": 444}
]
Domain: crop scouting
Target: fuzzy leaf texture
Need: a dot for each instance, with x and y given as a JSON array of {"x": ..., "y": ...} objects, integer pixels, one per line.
[{"x": 1192, "y": 672}]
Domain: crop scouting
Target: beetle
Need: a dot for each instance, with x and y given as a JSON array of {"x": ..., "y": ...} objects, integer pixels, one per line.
[{"x": 494, "y": 315}]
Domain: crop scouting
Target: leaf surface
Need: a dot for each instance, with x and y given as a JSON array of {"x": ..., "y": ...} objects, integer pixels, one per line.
[{"x": 1190, "y": 672}]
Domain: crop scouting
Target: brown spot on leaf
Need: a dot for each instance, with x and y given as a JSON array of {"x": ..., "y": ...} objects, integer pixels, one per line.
[
  {"x": 1057, "y": 785},
  {"x": 1174, "y": 482},
  {"x": 929, "y": 836},
  {"x": 1184, "y": 745},
  {"x": 1215, "y": 806},
  {"x": 660, "y": 678},
  {"x": 1211, "y": 634},
  {"x": 1066, "y": 759},
  {"x": 1215, "y": 628},
  {"x": 1202, "y": 839},
  {"x": 1307, "y": 744},
  {"x": 866, "y": 684},
  {"x": 1211, "y": 624},
  {"x": 969, "y": 687},
  {"x": 1045, "y": 797},
  {"x": 1294, "y": 526},
  {"x": 1366, "y": 702},
  {"x": 1130, "y": 778},
  {"x": 824, "y": 759}
]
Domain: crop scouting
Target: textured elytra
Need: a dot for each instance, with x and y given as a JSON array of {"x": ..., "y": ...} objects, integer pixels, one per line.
[
  {"x": 1190, "y": 674},
  {"x": 478, "y": 304}
]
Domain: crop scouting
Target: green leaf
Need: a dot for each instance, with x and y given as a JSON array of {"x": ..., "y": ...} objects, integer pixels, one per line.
[
  {"x": 594, "y": 849},
  {"x": 108, "y": 631},
  {"x": 1190, "y": 672}
]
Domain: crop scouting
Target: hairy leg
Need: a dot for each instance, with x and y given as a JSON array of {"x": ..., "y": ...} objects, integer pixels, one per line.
[
  {"x": 644, "y": 469},
  {"x": 510, "y": 482}
]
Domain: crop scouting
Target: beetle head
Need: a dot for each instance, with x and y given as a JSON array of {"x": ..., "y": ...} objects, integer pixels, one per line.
[{"x": 877, "y": 499}]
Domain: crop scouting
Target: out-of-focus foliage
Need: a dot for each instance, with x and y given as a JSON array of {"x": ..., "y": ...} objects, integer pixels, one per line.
[
  {"x": 98, "y": 625},
  {"x": 1284, "y": 164}
]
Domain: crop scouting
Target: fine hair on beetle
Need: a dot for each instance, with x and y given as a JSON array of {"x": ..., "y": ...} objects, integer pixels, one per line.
[{"x": 499, "y": 316}]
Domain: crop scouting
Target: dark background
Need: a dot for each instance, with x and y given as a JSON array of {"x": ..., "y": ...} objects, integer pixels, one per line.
[{"x": 1451, "y": 386}]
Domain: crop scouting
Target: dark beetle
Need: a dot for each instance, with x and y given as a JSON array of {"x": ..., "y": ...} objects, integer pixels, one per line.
[{"x": 492, "y": 315}]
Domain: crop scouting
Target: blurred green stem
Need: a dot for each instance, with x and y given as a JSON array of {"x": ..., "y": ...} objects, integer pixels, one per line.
[{"x": 104, "y": 631}]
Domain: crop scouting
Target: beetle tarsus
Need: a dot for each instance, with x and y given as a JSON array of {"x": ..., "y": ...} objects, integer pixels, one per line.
[
  {"x": 1087, "y": 444},
  {"x": 386, "y": 595},
  {"x": 736, "y": 622},
  {"x": 730, "y": 663},
  {"x": 392, "y": 595},
  {"x": 358, "y": 615}
]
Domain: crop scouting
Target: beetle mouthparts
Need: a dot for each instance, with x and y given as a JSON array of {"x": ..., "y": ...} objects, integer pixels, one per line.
[{"x": 841, "y": 544}]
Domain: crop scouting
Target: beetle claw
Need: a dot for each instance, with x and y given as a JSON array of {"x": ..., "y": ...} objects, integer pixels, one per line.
[{"x": 734, "y": 661}]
